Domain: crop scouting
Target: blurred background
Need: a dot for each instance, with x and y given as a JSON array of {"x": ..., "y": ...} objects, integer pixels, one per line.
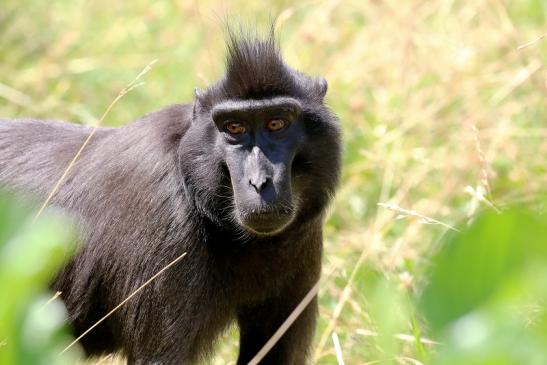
[{"x": 443, "y": 104}]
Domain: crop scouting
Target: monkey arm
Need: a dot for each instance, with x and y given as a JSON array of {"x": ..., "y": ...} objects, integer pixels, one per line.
[{"x": 258, "y": 323}]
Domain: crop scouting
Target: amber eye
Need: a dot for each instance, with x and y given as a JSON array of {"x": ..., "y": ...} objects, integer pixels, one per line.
[
  {"x": 234, "y": 127},
  {"x": 275, "y": 125}
]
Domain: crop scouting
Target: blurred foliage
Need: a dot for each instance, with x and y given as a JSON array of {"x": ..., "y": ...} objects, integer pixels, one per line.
[
  {"x": 32, "y": 328},
  {"x": 487, "y": 295},
  {"x": 443, "y": 115}
]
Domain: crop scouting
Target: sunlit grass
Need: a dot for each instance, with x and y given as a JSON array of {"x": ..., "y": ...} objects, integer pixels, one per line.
[{"x": 442, "y": 113}]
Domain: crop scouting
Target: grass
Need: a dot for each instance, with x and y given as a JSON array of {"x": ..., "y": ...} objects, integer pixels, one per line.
[{"x": 443, "y": 114}]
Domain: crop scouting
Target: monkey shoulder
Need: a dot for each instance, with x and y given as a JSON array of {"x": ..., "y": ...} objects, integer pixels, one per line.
[
  {"x": 26, "y": 130},
  {"x": 34, "y": 152},
  {"x": 167, "y": 125}
]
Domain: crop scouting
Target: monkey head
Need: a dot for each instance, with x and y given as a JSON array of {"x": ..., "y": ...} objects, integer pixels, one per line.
[{"x": 264, "y": 147}]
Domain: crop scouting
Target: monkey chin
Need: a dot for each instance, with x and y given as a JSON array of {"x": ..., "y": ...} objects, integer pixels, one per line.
[{"x": 267, "y": 224}]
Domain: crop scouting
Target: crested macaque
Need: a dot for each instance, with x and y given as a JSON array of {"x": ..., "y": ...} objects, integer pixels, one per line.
[{"x": 239, "y": 179}]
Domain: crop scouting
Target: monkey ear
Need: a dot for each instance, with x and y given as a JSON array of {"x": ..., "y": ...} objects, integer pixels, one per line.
[
  {"x": 199, "y": 94},
  {"x": 321, "y": 85}
]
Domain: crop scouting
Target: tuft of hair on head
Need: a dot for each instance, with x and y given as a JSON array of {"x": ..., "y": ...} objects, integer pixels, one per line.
[
  {"x": 256, "y": 70},
  {"x": 254, "y": 67}
]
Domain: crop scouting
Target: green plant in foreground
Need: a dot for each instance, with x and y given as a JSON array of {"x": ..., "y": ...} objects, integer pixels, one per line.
[
  {"x": 488, "y": 290},
  {"x": 31, "y": 326}
]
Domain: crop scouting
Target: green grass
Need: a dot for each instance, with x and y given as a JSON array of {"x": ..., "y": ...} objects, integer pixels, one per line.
[{"x": 436, "y": 102}]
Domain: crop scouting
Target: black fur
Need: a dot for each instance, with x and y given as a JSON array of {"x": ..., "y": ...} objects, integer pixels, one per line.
[{"x": 147, "y": 192}]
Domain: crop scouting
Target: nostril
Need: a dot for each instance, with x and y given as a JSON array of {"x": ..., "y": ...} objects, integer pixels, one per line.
[{"x": 259, "y": 184}]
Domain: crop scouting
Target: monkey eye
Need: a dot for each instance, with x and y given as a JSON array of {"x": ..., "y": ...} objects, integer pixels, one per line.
[
  {"x": 275, "y": 125},
  {"x": 234, "y": 127}
]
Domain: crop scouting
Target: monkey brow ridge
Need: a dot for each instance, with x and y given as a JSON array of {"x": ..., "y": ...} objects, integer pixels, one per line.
[{"x": 288, "y": 103}]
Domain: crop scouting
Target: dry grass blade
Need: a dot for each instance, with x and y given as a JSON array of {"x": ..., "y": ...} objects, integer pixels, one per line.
[
  {"x": 482, "y": 159},
  {"x": 532, "y": 42},
  {"x": 123, "y": 302},
  {"x": 346, "y": 293},
  {"x": 408, "y": 360},
  {"x": 400, "y": 336},
  {"x": 65, "y": 173},
  {"x": 132, "y": 85},
  {"x": 411, "y": 213},
  {"x": 15, "y": 96},
  {"x": 101, "y": 361},
  {"x": 337, "y": 349},
  {"x": 285, "y": 326},
  {"x": 55, "y": 296}
]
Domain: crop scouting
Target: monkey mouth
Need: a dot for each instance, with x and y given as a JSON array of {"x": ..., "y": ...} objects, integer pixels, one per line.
[{"x": 266, "y": 222}]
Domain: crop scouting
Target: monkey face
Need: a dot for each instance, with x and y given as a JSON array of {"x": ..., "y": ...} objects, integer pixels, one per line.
[
  {"x": 263, "y": 151},
  {"x": 259, "y": 140}
]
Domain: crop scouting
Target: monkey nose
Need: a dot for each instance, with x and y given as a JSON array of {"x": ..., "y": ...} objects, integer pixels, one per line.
[{"x": 259, "y": 183}]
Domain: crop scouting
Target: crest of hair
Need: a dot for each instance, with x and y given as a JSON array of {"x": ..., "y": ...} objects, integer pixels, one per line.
[{"x": 255, "y": 70}]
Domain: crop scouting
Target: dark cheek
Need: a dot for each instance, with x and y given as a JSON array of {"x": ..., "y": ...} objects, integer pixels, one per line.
[
  {"x": 226, "y": 180},
  {"x": 225, "y": 170},
  {"x": 301, "y": 165}
]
